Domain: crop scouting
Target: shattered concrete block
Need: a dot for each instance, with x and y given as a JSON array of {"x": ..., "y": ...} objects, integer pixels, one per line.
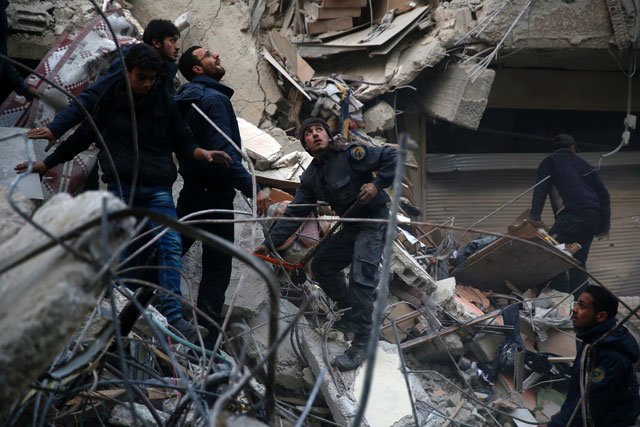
[
  {"x": 29, "y": 18},
  {"x": 292, "y": 160},
  {"x": 410, "y": 271},
  {"x": 380, "y": 117},
  {"x": 445, "y": 290},
  {"x": 458, "y": 97},
  {"x": 44, "y": 299},
  {"x": 389, "y": 400},
  {"x": 288, "y": 371},
  {"x": 258, "y": 144},
  {"x": 10, "y": 221},
  {"x": 122, "y": 416}
]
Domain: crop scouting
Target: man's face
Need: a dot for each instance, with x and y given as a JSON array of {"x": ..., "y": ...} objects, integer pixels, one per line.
[
  {"x": 584, "y": 315},
  {"x": 168, "y": 48},
  {"x": 209, "y": 63},
  {"x": 141, "y": 80},
  {"x": 316, "y": 139}
]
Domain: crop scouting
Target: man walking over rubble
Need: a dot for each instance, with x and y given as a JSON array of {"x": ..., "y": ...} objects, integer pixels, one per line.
[
  {"x": 162, "y": 35},
  {"x": 161, "y": 131},
  {"x": 211, "y": 186},
  {"x": 343, "y": 177},
  {"x": 580, "y": 203},
  {"x": 609, "y": 376}
]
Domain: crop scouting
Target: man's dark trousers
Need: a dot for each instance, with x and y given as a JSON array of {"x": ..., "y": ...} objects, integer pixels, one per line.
[
  {"x": 579, "y": 227},
  {"x": 216, "y": 267},
  {"x": 361, "y": 245}
]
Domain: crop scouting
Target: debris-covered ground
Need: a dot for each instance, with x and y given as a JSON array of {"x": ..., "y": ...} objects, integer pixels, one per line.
[{"x": 469, "y": 332}]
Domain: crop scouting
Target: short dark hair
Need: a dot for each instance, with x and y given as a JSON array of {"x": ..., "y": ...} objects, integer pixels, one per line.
[
  {"x": 187, "y": 61},
  {"x": 603, "y": 300},
  {"x": 158, "y": 30},
  {"x": 565, "y": 140},
  {"x": 144, "y": 57}
]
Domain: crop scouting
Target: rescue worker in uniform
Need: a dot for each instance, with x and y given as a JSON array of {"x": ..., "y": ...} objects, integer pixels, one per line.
[
  {"x": 580, "y": 202},
  {"x": 344, "y": 176},
  {"x": 609, "y": 375}
]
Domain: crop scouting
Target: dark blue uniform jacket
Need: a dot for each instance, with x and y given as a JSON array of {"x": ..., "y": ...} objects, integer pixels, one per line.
[
  {"x": 336, "y": 179},
  {"x": 214, "y": 99},
  {"x": 613, "y": 389},
  {"x": 576, "y": 184}
]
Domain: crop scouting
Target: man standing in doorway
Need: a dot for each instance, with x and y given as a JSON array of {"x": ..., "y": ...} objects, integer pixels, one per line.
[
  {"x": 580, "y": 203},
  {"x": 211, "y": 186}
]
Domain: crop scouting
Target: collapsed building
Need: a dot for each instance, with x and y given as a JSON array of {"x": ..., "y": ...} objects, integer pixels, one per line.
[{"x": 481, "y": 86}]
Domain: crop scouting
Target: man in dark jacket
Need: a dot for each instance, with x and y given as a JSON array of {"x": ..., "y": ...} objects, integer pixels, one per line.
[
  {"x": 162, "y": 35},
  {"x": 611, "y": 396},
  {"x": 9, "y": 77},
  {"x": 343, "y": 176},
  {"x": 580, "y": 203},
  {"x": 211, "y": 186},
  {"x": 161, "y": 132}
]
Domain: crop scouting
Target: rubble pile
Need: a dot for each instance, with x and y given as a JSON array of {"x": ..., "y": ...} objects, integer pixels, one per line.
[{"x": 471, "y": 333}]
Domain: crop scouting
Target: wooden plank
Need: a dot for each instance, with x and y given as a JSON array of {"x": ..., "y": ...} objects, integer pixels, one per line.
[
  {"x": 325, "y": 25},
  {"x": 284, "y": 72},
  {"x": 289, "y": 53},
  {"x": 363, "y": 37},
  {"x": 344, "y": 3},
  {"x": 318, "y": 12},
  {"x": 319, "y": 52},
  {"x": 381, "y": 7}
]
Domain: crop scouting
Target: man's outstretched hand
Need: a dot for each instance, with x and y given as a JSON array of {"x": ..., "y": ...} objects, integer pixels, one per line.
[
  {"x": 43, "y": 133},
  {"x": 38, "y": 166}
]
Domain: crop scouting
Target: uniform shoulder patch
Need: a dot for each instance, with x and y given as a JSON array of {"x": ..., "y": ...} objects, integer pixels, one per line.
[
  {"x": 358, "y": 152},
  {"x": 597, "y": 375}
]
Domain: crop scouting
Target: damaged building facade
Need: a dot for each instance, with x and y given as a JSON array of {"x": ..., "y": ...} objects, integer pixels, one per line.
[{"x": 481, "y": 86}]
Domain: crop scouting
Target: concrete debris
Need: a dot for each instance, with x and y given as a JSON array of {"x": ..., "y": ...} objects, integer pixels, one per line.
[
  {"x": 259, "y": 145},
  {"x": 410, "y": 271},
  {"x": 390, "y": 401},
  {"x": 458, "y": 97},
  {"x": 46, "y": 298},
  {"x": 379, "y": 118},
  {"x": 463, "y": 305}
]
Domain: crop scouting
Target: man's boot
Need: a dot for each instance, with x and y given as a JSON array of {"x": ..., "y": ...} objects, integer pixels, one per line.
[
  {"x": 355, "y": 354},
  {"x": 188, "y": 330}
]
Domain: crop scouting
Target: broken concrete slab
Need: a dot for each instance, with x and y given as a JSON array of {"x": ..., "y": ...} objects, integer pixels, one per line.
[
  {"x": 458, "y": 97},
  {"x": 288, "y": 372},
  {"x": 410, "y": 271},
  {"x": 17, "y": 148},
  {"x": 389, "y": 401},
  {"x": 258, "y": 144},
  {"x": 45, "y": 299},
  {"x": 10, "y": 221},
  {"x": 379, "y": 118}
]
